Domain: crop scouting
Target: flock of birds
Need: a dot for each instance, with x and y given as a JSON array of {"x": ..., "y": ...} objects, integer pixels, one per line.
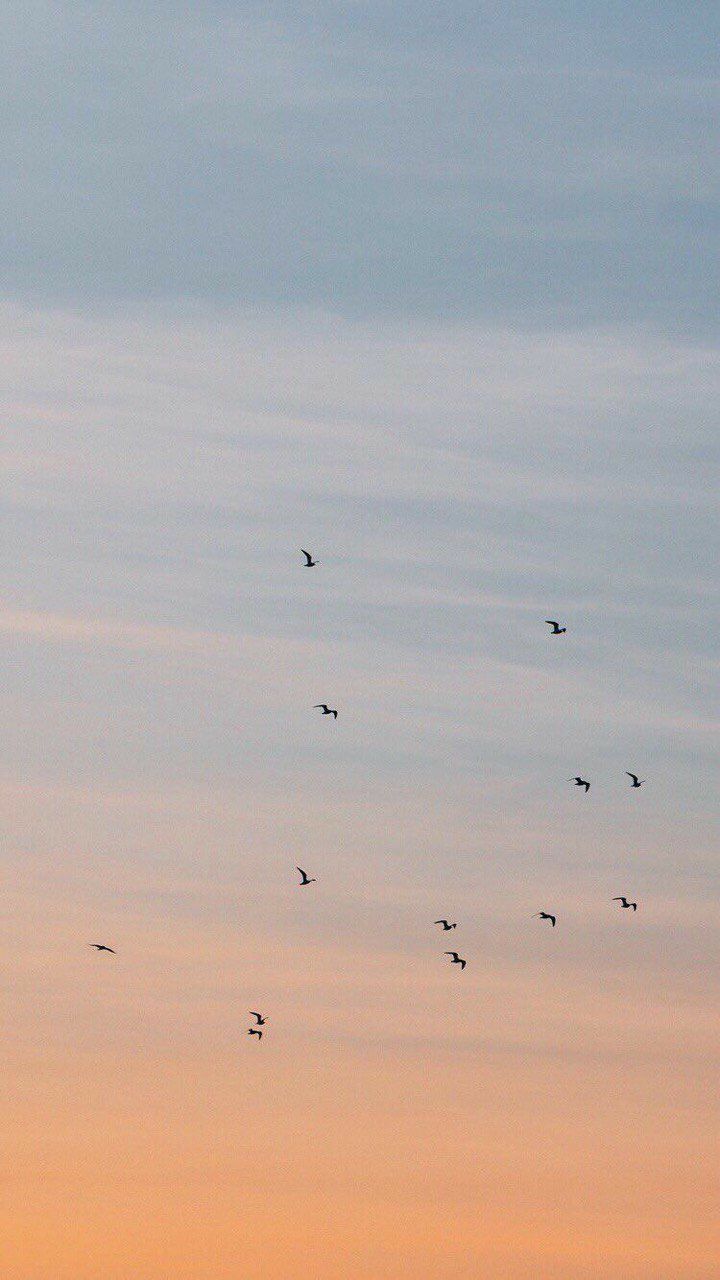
[{"x": 447, "y": 925}]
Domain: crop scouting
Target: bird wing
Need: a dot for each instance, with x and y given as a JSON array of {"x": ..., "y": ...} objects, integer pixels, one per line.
[
  {"x": 302, "y": 873},
  {"x": 253, "y": 1014},
  {"x": 307, "y": 554},
  {"x": 454, "y": 954},
  {"x": 551, "y": 622},
  {"x": 553, "y": 920},
  {"x": 633, "y": 776},
  {"x": 440, "y": 921}
]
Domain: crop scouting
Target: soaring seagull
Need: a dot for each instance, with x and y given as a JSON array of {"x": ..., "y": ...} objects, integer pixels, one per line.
[
  {"x": 446, "y": 925},
  {"x": 557, "y": 630},
  {"x": 326, "y": 710},
  {"x": 545, "y": 915},
  {"x": 99, "y": 946},
  {"x": 306, "y": 879},
  {"x": 254, "y": 1031},
  {"x": 309, "y": 562},
  {"x": 580, "y": 782},
  {"x": 456, "y": 959},
  {"x": 624, "y": 903},
  {"x": 636, "y": 782},
  {"x": 259, "y": 1020}
]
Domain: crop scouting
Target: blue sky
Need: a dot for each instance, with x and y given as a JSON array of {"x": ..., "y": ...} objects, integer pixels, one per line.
[
  {"x": 542, "y": 167},
  {"x": 432, "y": 292}
]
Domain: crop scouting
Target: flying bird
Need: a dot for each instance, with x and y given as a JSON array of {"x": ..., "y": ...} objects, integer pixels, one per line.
[
  {"x": 580, "y": 782},
  {"x": 545, "y": 915},
  {"x": 636, "y": 782},
  {"x": 99, "y": 946},
  {"x": 446, "y": 925},
  {"x": 326, "y": 710},
  {"x": 557, "y": 630},
  {"x": 260, "y": 1021},
  {"x": 309, "y": 562},
  {"x": 306, "y": 879},
  {"x": 624, "y": 903},
  {"x": 456, "y": 959},
  {"x": 254, "y": 1031}
]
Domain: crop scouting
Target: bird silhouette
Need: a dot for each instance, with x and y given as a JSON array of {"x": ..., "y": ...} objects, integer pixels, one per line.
[
  {"x": 260, "y": 1021},
  {"x": 636, "y": 782},
  {"x": 557, "y": 630},
  {"x": 326, "y": 710},
  {"x": 624, "y": 903},
  {"x": 446, "y": 925},
  {"x": 580, "y": 782},
  {"x": 545, "y": 915},
  {"x": 99, "y": 946},
  {"x": 254, "y": 1031},
  {"x": 309, "y": 562},
  {"x": 456, "y": 959},
  {"x": 306, "y": 879}
]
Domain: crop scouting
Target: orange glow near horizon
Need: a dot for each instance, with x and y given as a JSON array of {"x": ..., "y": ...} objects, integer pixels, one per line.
[{"x": 527, "y": 1121}]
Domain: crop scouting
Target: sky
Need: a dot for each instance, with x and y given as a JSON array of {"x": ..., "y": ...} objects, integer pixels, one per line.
[{"x": 431, "y": 291}]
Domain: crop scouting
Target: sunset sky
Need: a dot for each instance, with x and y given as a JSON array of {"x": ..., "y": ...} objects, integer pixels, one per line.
[{"x": 432, "y": 291}]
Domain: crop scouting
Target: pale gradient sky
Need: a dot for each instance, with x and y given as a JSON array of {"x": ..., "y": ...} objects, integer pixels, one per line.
[{"x": 433, "y": 293}]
